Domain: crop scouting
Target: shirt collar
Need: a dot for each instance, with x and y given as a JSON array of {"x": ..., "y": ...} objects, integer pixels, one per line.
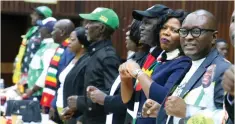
[
  {"x": 173, "y": 54},
  {"x": 47, "y": 40},
  {"x": 138, "y": 55},
  {"x": 198, "y": 62},
  {"x": 98, "y": 45},
  {"x": 151, "y": 49}
]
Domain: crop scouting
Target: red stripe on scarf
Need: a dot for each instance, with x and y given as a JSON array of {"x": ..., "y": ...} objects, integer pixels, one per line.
[
  {"x": 149, "y": 61},
  {"x": 65, "y": 43},
  {"x": 55, "y": 63},
  {"x": 46, "y": 99},
  {"x": 49, "y": 84},
  {"x": 52, "y": 84}
]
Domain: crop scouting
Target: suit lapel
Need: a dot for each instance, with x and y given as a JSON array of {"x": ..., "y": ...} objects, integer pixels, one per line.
[
  {"x": 162, "y": 116},
  {"x": 199, "y": 73},
  {"x": 193, "y": 80}
]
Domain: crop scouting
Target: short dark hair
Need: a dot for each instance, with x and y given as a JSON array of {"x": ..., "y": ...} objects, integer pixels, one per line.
[
  {"x": 220, "y": 40},
  {"x": 179, "y": 14},
  {"x": 108, "y": 32},
  {"x": 135, "y": 31},
  {"x": 158, "y": 26}
]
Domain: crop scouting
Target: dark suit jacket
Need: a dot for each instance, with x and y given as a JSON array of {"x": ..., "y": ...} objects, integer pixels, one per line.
[
  {"x": 101, "y": 71},
  {"x": 113, "y": 104},
  {"x": 213, "y": 58},
  {"x": 230, "y": 110}
]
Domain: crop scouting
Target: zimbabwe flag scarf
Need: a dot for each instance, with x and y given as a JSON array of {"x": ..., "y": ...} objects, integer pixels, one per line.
[
  {"x": 148, "y": 68},
  {"x": 51, "y": 79}
]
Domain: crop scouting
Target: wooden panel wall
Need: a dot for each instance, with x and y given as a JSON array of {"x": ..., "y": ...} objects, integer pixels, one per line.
[
  {"x": 62, "y": 8},
  {"x": 70, "y": 9},
  {"x": 221, "y": 9}
]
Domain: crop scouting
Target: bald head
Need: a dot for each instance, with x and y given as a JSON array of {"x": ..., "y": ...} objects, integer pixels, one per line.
[
  {"x": 208, "y": 17},
  {"x": 66, "y": 25},
  {"x": 197, "y": 44},
  {"x": 62, "y": 30}
]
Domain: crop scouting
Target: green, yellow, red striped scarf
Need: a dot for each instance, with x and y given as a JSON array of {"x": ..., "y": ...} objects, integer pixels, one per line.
[
  {"x": 148, "y": 68},
  {"x": 51, "y": 80},
  {"x": 22, "y": 50}
]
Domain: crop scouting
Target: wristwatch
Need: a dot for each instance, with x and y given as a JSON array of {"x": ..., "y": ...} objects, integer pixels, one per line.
[{"x": 136, "y": 72}]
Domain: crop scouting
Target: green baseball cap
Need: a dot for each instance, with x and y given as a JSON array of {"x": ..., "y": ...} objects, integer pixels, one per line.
[
  {"x": 44, "y": 10},
  {"x": 104, "y": 15}
]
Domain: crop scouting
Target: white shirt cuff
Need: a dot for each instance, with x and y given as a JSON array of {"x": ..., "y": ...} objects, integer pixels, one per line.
[{"x": 188, "y": 111}]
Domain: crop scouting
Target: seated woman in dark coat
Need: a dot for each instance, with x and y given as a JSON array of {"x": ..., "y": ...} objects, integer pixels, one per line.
[{"x": 168, "y": 69}]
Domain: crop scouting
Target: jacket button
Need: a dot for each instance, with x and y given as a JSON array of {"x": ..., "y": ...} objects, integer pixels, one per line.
[
  {"x": 89, "y": 108},
  {"x": 93, "y": 49}
]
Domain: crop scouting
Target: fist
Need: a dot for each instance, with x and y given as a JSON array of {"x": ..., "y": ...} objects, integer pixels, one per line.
[
  {"x": 150, "y": 108},
  {"x": 175, "y": 106},
  {"x": 72, "y": 102},
  {"x": 228, "y": 81}
]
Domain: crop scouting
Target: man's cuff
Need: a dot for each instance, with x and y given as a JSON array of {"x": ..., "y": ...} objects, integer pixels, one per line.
[
  {"x": 230, "y": 99},
  {"x": 187, "y": 111}
]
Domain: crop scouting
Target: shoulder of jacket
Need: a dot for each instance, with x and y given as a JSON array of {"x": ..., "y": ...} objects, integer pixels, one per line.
[
  {"x": 221, "y": 64},
  {"x": 221, "y": 61}
]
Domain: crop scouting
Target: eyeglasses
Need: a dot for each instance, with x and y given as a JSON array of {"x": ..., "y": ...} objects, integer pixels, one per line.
[{"x": 195, "y": 32}]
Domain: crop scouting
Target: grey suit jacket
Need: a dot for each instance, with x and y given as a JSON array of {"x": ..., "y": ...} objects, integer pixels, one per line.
[{"x": 214, "y": 65}]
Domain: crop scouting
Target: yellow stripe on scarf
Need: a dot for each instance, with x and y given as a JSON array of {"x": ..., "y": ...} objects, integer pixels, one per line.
[{"x": 51, "y": 79}]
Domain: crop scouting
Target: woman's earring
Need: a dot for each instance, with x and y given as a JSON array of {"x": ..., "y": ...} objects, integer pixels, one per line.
[{"x": 82, "y": 46}]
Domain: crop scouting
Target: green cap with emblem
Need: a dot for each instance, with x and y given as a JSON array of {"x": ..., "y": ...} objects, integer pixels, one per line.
[
  {"x": 104, "y": 15},
  {"x": 44, "y": 10}
]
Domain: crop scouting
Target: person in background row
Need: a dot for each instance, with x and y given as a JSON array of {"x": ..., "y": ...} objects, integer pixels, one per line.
[
  {"x": 60, "y": 34},
  {"x": 41, "y": 60},
  {"x": 228, "y": 79},
  {"x": 102, "y": 69},
  {"x": 222, "y": 47},
  {"x": 199, "y": 96},
  {"x": 39, "y": 14}
]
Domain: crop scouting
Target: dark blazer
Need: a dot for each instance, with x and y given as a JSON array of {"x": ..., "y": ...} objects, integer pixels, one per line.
[
  {"x": 113, "y": 104},
  {"x": 164, "y": 77},
  {"x": 74, "y": 84},
  {"x": 213, "y": 58},
  {"x": 229, "y": 109},
  {"x": 74, "y": 81},
  {"x": 101, "y": 71}
]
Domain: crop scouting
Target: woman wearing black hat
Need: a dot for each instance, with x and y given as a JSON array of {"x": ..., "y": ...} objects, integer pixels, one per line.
[{"x": 168, "y": 69}]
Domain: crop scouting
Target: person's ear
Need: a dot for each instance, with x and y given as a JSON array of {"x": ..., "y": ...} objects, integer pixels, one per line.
[
  {"x": 102, "y": 29},
  {"x": 214, "y": 37},
  {"x": 62, "y": 33}
]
